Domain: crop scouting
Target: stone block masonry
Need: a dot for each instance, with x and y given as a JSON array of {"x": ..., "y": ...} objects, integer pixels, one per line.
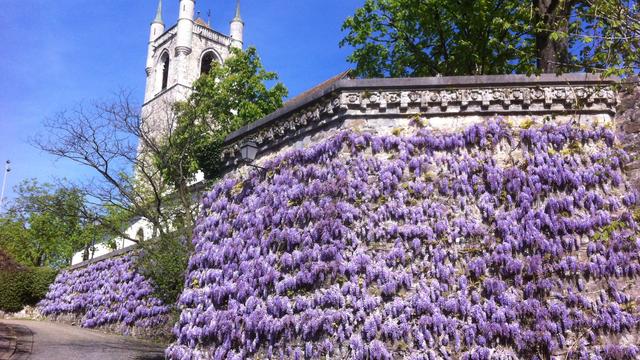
[
  {"x": 467, "y": 217},
  {"x": 472, "y": 218},
  {"x": 106, "y": 293},
  {"x": 447, "y": 102},
  {"x": 628, "y": 129}
]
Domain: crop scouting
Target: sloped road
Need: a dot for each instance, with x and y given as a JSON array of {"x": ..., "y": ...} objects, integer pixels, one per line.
[{"x": 37, "y": 340}]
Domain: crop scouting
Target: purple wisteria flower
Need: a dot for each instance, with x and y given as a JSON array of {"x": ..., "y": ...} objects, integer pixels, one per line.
[
  {"x": 104, "y": 293},
  {"x": 492, "y": 242}
]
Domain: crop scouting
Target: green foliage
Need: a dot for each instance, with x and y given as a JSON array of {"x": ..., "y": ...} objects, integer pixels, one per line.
[
  {"x": 113, "y": 221},
  {"x": 609, "y": 33},
  {"x": 164, "y": 261},
  {"x": 41, "y": 278},
  {"x": 14, "y": 290},
  {"x": 401, "y": 38},
  {"x": 19, "y": 288},
  {"x": 44, "y": 227},
  {"x": 230, "y": 96}
]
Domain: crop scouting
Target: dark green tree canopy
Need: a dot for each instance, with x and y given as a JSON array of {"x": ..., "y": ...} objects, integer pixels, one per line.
[
  {"x": 45, "y": 225},
  {"x": 448, "y": 37},
  {"x": 400, "y": 38}
]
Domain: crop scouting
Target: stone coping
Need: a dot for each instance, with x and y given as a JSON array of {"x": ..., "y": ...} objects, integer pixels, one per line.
[
  {"x": 545, "y": 94},
  {"x": 488, "y": 81},
  {"x": 110, "y": 255}
]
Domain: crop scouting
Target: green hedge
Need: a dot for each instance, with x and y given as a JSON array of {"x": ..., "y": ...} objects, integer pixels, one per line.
[{"x": 19, "y": 288}]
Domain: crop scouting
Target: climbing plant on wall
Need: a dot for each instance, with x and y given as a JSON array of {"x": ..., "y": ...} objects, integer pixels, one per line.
[
  {"x": 110, "y": 292},
  {"x": 499, "y": 240}
]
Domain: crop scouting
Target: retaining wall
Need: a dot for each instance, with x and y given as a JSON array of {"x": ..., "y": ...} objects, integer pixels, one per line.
[{"x": 468, "y": 217}]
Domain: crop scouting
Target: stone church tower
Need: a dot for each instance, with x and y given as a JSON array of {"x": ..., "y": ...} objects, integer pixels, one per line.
[
  {"x": 179, "y": 55},
  {"x": 176, "y": 58}
]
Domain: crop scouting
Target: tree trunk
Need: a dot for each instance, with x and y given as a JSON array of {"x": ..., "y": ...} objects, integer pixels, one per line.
[
  {"x": 553, "y": 15},
  {"x": 85, "y": 252}
]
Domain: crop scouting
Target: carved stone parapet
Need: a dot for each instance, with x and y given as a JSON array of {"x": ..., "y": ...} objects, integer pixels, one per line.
[
  {"x": 163, "y": 39},
  {"x": 211, "y": 35},
  {"x": 515, "y": 100},
  {"x": 428, "y": 97},
  {"x": 307, "y": 118}
]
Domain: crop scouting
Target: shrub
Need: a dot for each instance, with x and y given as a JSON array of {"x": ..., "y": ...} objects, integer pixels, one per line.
[
  {"x": 164, "y": 262},
  {"x": 19, "y": 288},
  {"x": 13, "y": 290},
  {"x": 40, "y": 280}
]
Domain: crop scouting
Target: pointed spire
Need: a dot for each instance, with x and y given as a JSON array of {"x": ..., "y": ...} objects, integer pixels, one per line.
[
  {"x": 237, "y": 18},
  {"x": 158, "y": 18},
  {"x": 236, "y": 29}
]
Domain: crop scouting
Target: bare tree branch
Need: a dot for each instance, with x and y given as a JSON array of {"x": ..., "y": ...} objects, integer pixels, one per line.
[{"x": 122, "y": 147}]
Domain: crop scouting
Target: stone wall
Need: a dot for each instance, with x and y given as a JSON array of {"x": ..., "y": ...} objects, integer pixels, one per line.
[
  {"x": 347, "y": 122},
  {"x": 107, "y": 293},
  {"x": 627, "y": 122},
  {"x": 474, "y": 218},
  {"x": 445, "y": 102},
  {"x": 500, "y": 240}
]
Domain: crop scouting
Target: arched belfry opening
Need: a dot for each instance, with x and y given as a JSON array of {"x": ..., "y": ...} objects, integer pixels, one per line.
[
  {"x": 207, "y": 61},
  {"x": 140, "y": 235},
  {"x": 163, "y": 70}
]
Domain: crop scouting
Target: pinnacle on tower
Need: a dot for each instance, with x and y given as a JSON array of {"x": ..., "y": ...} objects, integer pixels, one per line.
[
  {"x": 237, "y": 18},
  {"x": 158, "y": 18},
  {"x": 237, "y": 28}
]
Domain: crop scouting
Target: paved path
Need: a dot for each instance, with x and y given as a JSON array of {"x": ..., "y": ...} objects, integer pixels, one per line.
[{"x": 38, "y": 340}]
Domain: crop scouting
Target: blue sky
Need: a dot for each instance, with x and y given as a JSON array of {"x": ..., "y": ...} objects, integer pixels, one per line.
[{"x": 60, "y": 53}]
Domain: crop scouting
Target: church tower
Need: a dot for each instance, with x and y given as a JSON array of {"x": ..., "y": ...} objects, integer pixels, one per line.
[{"x": 178, "y": 56}]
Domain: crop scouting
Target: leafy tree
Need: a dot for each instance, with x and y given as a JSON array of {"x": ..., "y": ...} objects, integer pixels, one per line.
[
  {"x": 143, "y": 173},
  {"x": 466, "y": 37},
  {"x": 44, "y": 226},
  {"x": 609, "y": 36},
  {"x": 230, "y": 96},
  {"x": 114, "y": 139},
  {"x": 438, "y": 37}
]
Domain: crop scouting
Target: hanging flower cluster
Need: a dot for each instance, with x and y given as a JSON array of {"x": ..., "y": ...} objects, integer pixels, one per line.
[
  {"x": 107, "y": 292},
  {"x": 493, "y": 242}
]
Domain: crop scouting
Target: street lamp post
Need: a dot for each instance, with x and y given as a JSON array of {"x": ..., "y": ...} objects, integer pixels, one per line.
[
  {"x": 7, "y": 169},
  {"x": 248, "y": 152}
]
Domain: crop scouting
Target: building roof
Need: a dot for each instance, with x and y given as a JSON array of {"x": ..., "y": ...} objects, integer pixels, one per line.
[
  {"x": 158, "y": 18},
  {"x": 318, "y": 88},
  {"x": 237, "y": 17},
  {"x": 201, "y": 22}
]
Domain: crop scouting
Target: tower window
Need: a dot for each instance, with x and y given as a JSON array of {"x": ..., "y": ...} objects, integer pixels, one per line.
[
  {"x": 207, "y": 60},
  {"x": 164, "y": 61},
  {"x": 140, "y": 235}
]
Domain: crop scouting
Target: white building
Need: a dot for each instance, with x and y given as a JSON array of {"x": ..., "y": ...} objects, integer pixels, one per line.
[{"x": 176, "y": 57}]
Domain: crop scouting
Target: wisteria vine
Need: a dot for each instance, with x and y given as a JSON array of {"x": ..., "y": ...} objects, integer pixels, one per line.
[
  {"x": 498, "y": 241},
  {"x": 105, "y": 293}
]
